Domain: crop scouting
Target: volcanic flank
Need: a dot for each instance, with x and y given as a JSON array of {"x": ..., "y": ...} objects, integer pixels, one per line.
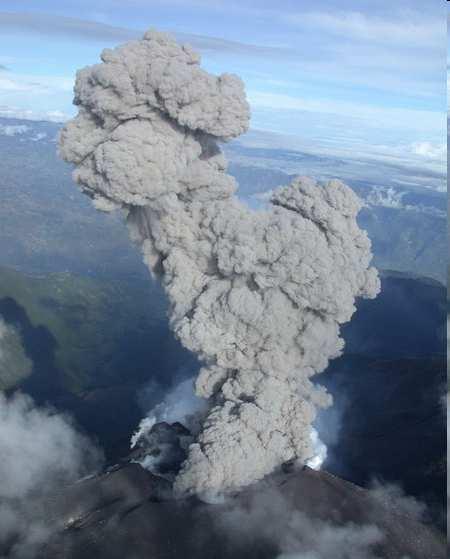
[
  {"x": 258, "y": 296},
  {"x": 294, "y": 514}
]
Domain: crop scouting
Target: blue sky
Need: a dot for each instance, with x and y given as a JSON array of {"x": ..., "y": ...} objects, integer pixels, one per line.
[{"x": 350, "y": 78}]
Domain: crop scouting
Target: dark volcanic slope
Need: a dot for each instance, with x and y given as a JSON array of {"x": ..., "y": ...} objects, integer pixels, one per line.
[{"x": 128, "y": 514}]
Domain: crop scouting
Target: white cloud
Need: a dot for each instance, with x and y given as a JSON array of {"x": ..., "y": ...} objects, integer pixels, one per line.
[
  {"x": 9, "y": 111},
  {"x": 404, "y": 30},
  {"x": 388, "y": 197},
  {"x": 6, "y": 60},
  {"x": 8, "y": 84},
  {"x": 39, "y": 447},
  {"x": 39, "y": 136},
  {"x": 19, "y": 130},
  {"x": 41, "y": 450},
  {"x": 361, "y": 158},
  {"x": 385, "y": 117},
  {"x": 429, "y": 150},
  {"x": 35, "y": 84},
  {"x": 13, "y": 130},
  {"x": 75, "y": 28}
]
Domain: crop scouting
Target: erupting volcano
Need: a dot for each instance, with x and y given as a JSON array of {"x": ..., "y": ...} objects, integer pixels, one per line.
[{"x": 258, "y": 296}]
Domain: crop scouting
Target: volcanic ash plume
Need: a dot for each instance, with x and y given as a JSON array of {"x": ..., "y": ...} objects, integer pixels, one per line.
[{"x": 258, "y": 296}]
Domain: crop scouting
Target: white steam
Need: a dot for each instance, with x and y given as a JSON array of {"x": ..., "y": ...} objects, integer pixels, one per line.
[
  {"x": 272, "y": 517},
  {"x": 40, "y": 452},
  {"x": 38, "y": 447},
  {"x": 328, "y": 518},
  {"x": 319, "y": 451},
  {"x": 259, "y": 297},
  {"x": 180, "y": 404}
]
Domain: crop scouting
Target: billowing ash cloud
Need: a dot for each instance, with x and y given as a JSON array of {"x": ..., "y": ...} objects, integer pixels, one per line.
[{"x": 257, "y": 296}]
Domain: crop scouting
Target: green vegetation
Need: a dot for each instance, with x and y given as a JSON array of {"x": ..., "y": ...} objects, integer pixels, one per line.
[
  {"x": 15, "y": 366},
  {"x": 101, "y": 331},
  {"x": 100, "y": 350}
]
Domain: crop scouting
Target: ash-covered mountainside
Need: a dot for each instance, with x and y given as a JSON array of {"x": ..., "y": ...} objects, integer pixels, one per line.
[{"x": 129, "y": 512}]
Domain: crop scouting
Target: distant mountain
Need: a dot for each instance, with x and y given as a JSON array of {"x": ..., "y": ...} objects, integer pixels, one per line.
[{"x": 49, "y": 226}]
